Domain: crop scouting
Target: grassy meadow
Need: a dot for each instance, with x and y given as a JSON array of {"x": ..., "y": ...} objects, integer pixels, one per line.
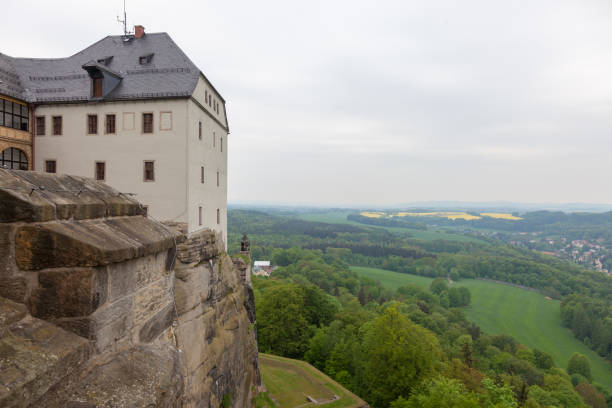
[
  {"x": 339, "y": 217},
  {"x": 290, "y": 381},
  {"x": 526, "y": 315}
]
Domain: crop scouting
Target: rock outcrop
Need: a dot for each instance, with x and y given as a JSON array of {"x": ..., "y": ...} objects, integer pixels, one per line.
[{"x": 101, "y": 306}]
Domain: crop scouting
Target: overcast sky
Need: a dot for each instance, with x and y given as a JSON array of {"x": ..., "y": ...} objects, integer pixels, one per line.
[{"x": 382, "y": 102}]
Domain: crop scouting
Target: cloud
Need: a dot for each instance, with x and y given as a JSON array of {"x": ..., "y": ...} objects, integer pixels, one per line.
[{"x": 384, "y": 102}]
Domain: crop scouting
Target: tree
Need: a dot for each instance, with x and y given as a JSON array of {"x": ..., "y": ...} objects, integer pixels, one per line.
[
  {"x": 459, "y": 296},
  {"x": 474, "y": 331},
  {"x": 438, "y": 285},
  {"x": 543, "y": 360},
  {"x": 397, "y": 355},
  {"x": 498, "y": 396},
  {"x": 579, "y": 364},
  {"x": 282, "y": 325},
  {"x": 320, "y": 307},
  {"x": 442, "y": 393},
  {"x": 591, "y": 396}
]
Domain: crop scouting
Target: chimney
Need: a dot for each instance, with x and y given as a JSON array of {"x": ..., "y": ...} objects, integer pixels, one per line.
[{"x": 138, "y": 31}]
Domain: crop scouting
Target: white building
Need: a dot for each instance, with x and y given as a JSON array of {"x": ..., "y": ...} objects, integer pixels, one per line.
[
  {"x": 262, "y": 268},
  {"x": 135, "y": 112}
]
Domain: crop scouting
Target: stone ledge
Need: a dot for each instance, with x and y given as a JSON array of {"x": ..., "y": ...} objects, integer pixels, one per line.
[
  {"x": 89, "y": 242},
  {"x": 34, "y": 197}
]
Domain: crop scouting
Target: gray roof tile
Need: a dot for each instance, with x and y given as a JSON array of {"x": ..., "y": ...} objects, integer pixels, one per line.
[{"x": 169, "y": 74}]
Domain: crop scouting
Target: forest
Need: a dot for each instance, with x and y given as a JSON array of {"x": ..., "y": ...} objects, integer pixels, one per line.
[
  {"x": 338, "y": 312},
  {"x": 407, "y": 348}
]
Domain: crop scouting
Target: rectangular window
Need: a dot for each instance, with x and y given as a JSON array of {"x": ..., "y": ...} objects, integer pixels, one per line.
[
  {"x": 218, "y": 216},
  {"x": 97, "y": 87},
  {"x": 199, "y": 215},
  {"x": 149, "y": 170},
  {"x": 92, "y": 124},
  {"x": 111, "y": 126},
  {"x": 57, "y": 125},
  {"x": 165, "y": 121},
  {"x": 147, "y": 123},
  {"x": 214, "y": 139},
  {"x": 14, "y": 115},
  {"x": 202, "y": 174},
  {"x": 50, "y": 166},
  {"x": 40, "y": 125},
  {"x": 200, "y": 130},
  {"x": 217, "y": 179},
  {"x": 221, "y": 145},
  {"x": 129, "y": 121},
  {"x": 100, "y": 171}
]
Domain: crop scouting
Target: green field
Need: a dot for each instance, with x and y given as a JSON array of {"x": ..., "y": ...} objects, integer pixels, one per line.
[
  {"x": 339, "y": 217},
  {"x": 289, "y": 382},
  {"x": 527, "y": 316}
]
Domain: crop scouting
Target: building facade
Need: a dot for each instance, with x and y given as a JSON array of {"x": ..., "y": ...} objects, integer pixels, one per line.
[{"x": 132, "y": 111}]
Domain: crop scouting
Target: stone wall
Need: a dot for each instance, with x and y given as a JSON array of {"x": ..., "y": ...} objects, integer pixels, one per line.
[{"x": 146, "y": 315}]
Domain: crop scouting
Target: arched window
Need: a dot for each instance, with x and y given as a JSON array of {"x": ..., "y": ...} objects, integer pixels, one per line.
[{"x": 14, "y": 159}]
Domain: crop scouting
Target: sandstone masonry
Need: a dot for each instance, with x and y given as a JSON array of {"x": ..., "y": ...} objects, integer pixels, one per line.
[{"x": 102, "y": 306}]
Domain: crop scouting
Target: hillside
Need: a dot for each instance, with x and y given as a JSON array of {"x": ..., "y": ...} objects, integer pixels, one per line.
[
  {"x": 502, "y": 309},
  {"x": 290, "y": 382}
]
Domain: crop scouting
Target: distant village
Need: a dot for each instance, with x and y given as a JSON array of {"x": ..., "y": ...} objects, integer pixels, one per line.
[{"x": 592, "y": 254}]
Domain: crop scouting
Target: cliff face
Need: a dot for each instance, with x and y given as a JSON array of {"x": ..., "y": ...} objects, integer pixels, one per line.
[
  {"x": 216, "y": 327},
  {"x": 101, "y": 306}
]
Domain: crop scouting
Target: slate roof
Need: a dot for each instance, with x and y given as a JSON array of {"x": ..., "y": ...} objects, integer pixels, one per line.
[{"x": 170, "y": 72}]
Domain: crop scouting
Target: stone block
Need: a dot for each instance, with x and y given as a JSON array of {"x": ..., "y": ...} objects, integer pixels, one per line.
[
  {"x": 19, "y": 203},
  {"x": 34, "y": 356},
  {"x": 199, "y": 246},
  {"x": 117, "y": 204},
  {"x": 144, "y": 376},
  {"x": 150, "y": 300},
  {"x": 32, "y": 196},
  {"x": 88, "y": 243},
  {"x": 157, "y": 324},
  {"x": 81, "y": 326},
  {"x": 72, "y": 293},
  {"x": 10, "y": 312},
  {"x": 127, "y": 277},
  {"x": 112, "y": 324},
  {"x": 7, "y": 260},
  {"x": 191, "y": 286},
  {"x": 14, "y": 288},
  {"x": 192, "y": 335}
]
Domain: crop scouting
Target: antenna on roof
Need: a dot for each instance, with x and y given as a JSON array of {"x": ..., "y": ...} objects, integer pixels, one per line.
[{"x": 124, "y": 21}]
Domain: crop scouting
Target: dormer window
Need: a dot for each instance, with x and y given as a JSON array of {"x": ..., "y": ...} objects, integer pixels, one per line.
[
  {"x": 103, "y": 79},
  {"x": 97, "y": 87},
  {"x": 105, "y": 61},
  {"x": 145, "y": 59}
]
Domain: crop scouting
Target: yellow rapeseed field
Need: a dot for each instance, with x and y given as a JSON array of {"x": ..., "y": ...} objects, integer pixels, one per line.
[
  {"x": 502, "y": 216},
  {"x": 451, "y": 215},
  {"x": 373, "y": 214}
]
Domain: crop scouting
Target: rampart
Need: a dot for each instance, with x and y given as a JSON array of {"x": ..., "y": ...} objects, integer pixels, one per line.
[{"x": 102, "y": 306}]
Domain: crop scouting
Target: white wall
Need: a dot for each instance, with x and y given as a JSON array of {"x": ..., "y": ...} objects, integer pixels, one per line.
[
  {"x": 124, "y": 152},
  {"x": 178, "y": 152},
  {"x": 207, "y": 152}
]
